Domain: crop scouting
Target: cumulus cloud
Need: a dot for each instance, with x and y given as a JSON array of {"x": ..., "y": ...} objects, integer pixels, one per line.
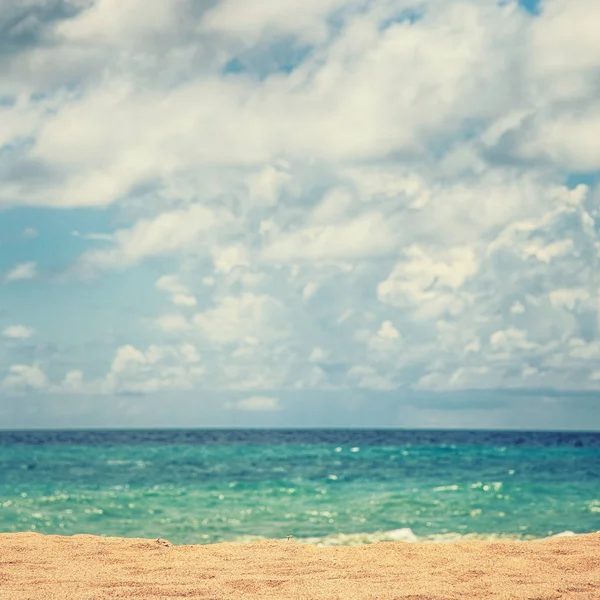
[
  {"x": 564, "y": 59},
  {"x": 180, "y": 295},
  {"x": 366, "y": 235},
  {"x": 166, "y": 234},
  {"x": 256, "y": 404},
  {"x": 530, "y": 308},
  {"x": 22, "y": 271},
  {"x": 346, "y": 194},
  {"x": 172, "y": 323},
  {"x": 367, "y": 376},
  {"x": 73, "y": 382},
  {"x": 228, "y": 258},
  {"x": 388, "y": 331},
  {"x": 23, "y": 378},
  {"x": 17, "y": 332},
  {"x": 152, "y": 370},
  {"x": 365, "y": 91},
  {"x": 255, "y": 317},
  {"x": 372, "y": 81},
  {"x": 429, "y": 284}
]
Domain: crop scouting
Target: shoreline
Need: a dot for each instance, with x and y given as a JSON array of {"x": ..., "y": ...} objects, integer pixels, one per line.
[
  {"x": 85, "y": 567},
  {"x": 407, "y": 535}
]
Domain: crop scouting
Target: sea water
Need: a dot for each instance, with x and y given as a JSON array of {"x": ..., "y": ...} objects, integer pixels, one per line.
[{"x": 323, "y": 487}]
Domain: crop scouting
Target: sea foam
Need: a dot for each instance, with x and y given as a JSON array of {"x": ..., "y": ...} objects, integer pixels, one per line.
[{"x": 408, "y": 536}]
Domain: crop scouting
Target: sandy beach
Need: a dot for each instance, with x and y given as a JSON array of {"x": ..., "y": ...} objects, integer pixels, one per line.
[{"x": 86, "y": 567}]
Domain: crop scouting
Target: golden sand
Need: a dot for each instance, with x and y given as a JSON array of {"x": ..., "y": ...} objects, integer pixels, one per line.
[{"x": 87, "y": 567}]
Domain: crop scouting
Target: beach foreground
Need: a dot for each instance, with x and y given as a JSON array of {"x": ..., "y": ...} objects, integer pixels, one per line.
[{"x": 88, "y": 567}]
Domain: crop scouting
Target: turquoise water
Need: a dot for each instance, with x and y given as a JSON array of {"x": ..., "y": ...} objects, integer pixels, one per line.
[{"x": 326, "y": 487}]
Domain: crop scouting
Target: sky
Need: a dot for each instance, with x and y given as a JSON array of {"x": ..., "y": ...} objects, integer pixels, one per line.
[{"x": 336, "y": 213}]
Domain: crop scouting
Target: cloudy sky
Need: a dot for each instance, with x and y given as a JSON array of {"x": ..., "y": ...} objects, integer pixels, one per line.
[{"x": 285, "y": 213}]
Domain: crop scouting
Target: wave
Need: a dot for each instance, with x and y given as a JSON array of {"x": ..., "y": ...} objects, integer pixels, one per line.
[{"x": 404, "y": 535}]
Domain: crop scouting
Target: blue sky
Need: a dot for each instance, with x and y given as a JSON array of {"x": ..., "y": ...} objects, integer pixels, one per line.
[{"x": 333, "y": 213}]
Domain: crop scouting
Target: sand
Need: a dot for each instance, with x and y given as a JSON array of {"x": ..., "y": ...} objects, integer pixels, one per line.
[{"x": 88, "y": 567}]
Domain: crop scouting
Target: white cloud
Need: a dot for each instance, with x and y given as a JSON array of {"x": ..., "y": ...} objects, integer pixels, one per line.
[
  {"x": 226, "y": 259},
  {"x": 256, "y": 404},
  {"x": 388, "y": 331},
  {"x": 587, "y": 351},
  {"x": 366, "y": 376},
  {"x": 155, "y": 369},
  {"x": 125, "y": 357},
  {"x": 510, "y": 340},
  {"x": 171, "y": 284},
  {"x": 517, "y": 308},
  {"x": 546, "y": 253},
  {"x": 368, "y": 235},
  {"x": 317, "y": 355},
  {"x": 236, "y": 18},
  {"x": 189, "y": 354},
  {"x": 433, "y": 285},
  {"x": 110, "y": 22},
  {"x": 17, "y": 332},
  {"x": 167, "y": 233},
  {"x": 472, "y": 346},
  {"x": 470, "y": 378},
  {"x": 22, "y": 378},
  {"x": 563, "y": 118},
  {"x": 567, "y": 140},
  {"x": 569, "y": 298},
  {"x": 562, "y": 25},
  {"x": 369, "y": 88},
  {"x": 180, "y": 295},
  {"x": 341, "y": 196},
  {"x": 384, "y": 349},
  {"x": 173, "y": 323},
  {"x": 234, "y": 318},
  {"x": 73, "y": 382},
  {"x": 496, "y": 312},
  {"x": 310, "y": 289},
  {"x": 265, "y": 186},
  {"x": 22, "y": 271},
  {"x": 333, "y": 208},
  {"x": 184, "y": 300}
]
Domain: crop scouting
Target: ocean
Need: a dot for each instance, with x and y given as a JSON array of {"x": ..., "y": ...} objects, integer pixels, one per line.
[{"x": 326, "y": 487}]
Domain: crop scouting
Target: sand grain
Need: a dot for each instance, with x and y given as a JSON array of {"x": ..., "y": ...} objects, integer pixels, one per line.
[{"x": 83, "y": 567}]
